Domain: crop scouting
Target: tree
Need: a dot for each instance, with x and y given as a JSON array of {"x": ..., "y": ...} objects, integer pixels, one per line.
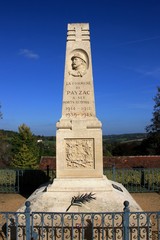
[
  {"x": 107, "y": 148},
  {"x": 126, "y": 149},
  {"x": 6, "y": 147},
  {"x": 24, "y": 148},
  {"x": 47, "y": 148},
  {"x": 5, "y": 151},
  {"x": 0, "y": 113},
  {"x": 25, "y": 158},
  {"x": 154, "y": 127},
  {"x": 153, "y": 138}
]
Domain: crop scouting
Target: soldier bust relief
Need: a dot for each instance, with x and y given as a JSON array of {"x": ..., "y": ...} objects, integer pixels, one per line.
[{"x": 79, "y": 65}]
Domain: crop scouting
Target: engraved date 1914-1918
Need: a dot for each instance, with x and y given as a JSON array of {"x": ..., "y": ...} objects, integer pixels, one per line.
[{"x": 74, "y": 108}]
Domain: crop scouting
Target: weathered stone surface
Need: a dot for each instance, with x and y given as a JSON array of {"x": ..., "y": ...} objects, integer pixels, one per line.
[{"x": 109, "y": 196}]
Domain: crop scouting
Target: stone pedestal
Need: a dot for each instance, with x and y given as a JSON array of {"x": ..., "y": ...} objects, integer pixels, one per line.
[
  {"x": 79, "y": 151},
  {"x": 108, "y": 196}
]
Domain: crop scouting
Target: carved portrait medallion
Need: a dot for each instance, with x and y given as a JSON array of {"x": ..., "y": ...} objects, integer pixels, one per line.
[{"x": 79, "y": 63}]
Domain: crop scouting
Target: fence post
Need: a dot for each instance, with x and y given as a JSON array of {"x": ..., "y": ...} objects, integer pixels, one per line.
[
  {"x": 27, "y": 214},
  {"x": 16, "y": 184},
  {"x": 113, "y": 172},
  {"x": 126, "y": 221}
]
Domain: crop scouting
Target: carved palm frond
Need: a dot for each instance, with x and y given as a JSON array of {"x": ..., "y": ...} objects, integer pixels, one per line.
[{"x": 81, "y": 199}]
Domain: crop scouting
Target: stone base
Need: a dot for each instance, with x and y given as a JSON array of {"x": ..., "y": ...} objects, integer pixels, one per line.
[{"x": 57, "y": 197}]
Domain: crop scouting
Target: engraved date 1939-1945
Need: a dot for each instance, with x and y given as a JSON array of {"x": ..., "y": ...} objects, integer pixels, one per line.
[{"x": 81, "y": 114}]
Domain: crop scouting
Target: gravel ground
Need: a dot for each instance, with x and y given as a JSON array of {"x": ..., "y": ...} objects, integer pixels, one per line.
[{"x": 147, "y": 201}]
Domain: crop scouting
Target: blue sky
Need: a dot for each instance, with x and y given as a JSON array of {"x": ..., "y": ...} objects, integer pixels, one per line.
[{"x": 125, "y": 45}]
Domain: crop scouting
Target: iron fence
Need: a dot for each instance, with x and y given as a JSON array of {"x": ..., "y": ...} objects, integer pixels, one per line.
[
  {"x": 9, "y": 180},
  {"x": 18, "y": 181},
  {"x": 134, "y": 180},
  {"x": 124, "y": 225}
]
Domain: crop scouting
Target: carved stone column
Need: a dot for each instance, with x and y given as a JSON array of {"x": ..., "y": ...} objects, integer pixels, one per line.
[{"x": 79, "y": 134}]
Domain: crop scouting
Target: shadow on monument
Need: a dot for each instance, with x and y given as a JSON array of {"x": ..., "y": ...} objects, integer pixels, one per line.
[{"x": 29, "y": 180}]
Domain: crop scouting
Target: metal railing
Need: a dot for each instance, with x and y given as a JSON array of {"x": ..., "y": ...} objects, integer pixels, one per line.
[
  {"x": 124, "y": 225},
  {"x": 16, "y": 181},
  {"x": 134, "y": 180},
  {"x": 9, "y": 180}
]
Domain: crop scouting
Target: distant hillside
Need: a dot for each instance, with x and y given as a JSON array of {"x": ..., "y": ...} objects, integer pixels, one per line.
[
  {"x": 129, "y": 137},
  {"x": 107, "y": 138},
  {"x": 7, "y": 135}
]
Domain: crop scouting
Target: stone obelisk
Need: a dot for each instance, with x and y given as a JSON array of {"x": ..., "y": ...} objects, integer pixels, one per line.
[
  {"x": 79, "y": 134},
  {"x": 79, "y": 163},
  {"x": 79, "y": 158}
]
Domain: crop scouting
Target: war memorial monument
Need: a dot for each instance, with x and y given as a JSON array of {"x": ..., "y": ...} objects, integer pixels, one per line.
[{"x": 79, "y": 155}]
